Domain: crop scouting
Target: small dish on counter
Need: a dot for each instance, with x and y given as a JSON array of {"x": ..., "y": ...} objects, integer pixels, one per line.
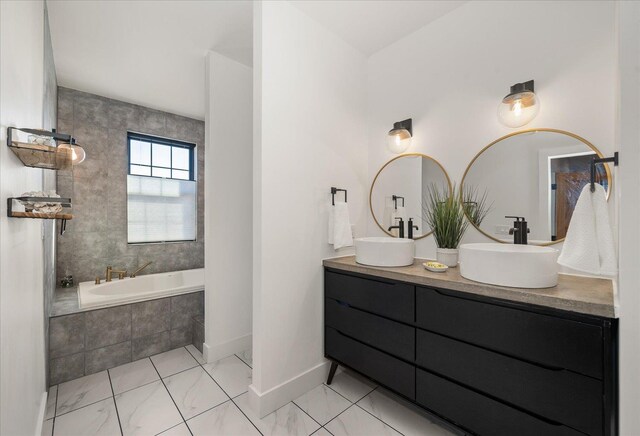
[{"x": 435, "y": 266}]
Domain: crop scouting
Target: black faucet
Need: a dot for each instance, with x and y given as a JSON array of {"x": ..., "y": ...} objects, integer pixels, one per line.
[
  {"x": 519, "y": 230},
  {"x": 400, "y": 227},
  {"x": 410, "y": 228}
]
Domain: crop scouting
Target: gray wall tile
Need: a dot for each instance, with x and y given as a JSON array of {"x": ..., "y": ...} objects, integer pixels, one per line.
[
  {"x": 66, "y": 368},
  {"x": 108, "y": 326},
  {"x": 198, "y": 333},
  {"x": 184, "y": 308},
  {"x": 150, "y": 345},
  {"x": 66, "y": 335},
  {"x": 107, "y": 357},
  {"x": 181, "y": 337},
  {"x": 97, "y": 187},
  {"x": 150, "y": 317}
]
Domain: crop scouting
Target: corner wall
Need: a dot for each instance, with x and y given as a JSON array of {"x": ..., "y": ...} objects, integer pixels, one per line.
[
  {"x": 450, "y": 75},
  {"x": 309, "y": 135},
  {"x": 228, "y": 208},
  {"x": 22, "y": 360}
]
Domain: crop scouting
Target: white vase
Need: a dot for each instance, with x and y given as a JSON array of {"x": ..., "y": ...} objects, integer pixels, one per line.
[{"x": 448, "y": 256}]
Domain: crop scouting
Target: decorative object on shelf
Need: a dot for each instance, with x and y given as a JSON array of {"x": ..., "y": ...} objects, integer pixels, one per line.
[
  {"x": 435, "y": 266},
  {"x": 44, "y": 149},
  {"x": 399, "y": 138},
  {"x": 67, "y": 282},
  {"x": 520, "y": 106},
  {"x": 445, "y": 215},
  {"x": 32, "y": 201},
  {"x": 41, "y": 206}
]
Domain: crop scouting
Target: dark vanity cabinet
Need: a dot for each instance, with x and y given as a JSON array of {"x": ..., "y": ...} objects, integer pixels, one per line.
[{"x": 487, "y": 366}]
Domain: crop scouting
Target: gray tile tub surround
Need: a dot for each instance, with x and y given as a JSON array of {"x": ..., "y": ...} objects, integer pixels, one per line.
[
  {"x": 97, "y": 235},
  {"x": 89, "y": 342}
]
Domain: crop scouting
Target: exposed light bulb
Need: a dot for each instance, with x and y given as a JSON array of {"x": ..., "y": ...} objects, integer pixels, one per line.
[{"x": 520, "y": 106}]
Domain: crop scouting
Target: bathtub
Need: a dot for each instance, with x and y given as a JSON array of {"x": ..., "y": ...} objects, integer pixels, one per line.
[{"x": 140, "y": 288}]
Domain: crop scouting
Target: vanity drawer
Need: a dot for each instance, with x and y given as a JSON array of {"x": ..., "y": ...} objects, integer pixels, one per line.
[
  {"x": 561, "y": 396},
  {"x": 546, "y": 340},
  {"x": 479, "y": 414},
  {"x": 385, "y": 369},
  {"x": 393, "y": 300},
  {"x": 390, "y": 336}
]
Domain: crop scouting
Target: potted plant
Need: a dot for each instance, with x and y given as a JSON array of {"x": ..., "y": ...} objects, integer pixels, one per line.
[{"x": 444, "y": 213}]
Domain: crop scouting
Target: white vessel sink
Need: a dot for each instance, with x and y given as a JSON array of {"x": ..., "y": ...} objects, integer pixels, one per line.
[
  {"x": 385, "y": 251},
  {"x": 519, "y": 266}
]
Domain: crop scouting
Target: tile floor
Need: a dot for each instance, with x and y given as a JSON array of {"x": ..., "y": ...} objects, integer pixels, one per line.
[{"x": 176, "y": 393}]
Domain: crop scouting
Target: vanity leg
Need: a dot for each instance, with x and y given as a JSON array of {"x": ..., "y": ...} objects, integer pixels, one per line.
[{"x": 332, "y": 372}]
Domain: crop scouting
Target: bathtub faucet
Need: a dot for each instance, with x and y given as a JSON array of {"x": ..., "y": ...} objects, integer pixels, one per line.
[
  {"x": 135, "y": 273},
  {"x": 111, "y": 271}
]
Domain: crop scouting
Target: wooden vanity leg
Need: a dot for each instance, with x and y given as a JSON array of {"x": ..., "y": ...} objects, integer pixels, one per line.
[{"x": 332, "y": 372}]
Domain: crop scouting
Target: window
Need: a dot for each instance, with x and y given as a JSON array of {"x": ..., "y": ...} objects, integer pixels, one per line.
[{"x": 161, "y": 190}]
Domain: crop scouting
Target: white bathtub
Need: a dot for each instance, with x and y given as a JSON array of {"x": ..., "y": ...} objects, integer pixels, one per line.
[{"x": 140, "y": 288}]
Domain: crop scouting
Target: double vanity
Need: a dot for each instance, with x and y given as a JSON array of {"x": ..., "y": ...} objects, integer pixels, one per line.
[{"x": 486, "y": 359}]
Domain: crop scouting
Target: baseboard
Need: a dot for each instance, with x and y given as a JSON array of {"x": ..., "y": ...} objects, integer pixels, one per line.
[
  {"x": 263, "y": 403},
  {"x": 41, "y": 412},
  {"x": 212, "y": 353}
]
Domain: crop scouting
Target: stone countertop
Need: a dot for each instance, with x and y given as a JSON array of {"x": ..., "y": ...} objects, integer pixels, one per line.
[{"x": 586, "y": 295}]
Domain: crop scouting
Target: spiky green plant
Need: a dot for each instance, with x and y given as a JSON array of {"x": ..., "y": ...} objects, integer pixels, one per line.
[
  {"x": 475, "y": 205},
  {"x": 445, "y": 215}
]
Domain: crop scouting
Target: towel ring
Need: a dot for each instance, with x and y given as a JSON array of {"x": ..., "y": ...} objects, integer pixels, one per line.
[{"x": 334, "y": 191}]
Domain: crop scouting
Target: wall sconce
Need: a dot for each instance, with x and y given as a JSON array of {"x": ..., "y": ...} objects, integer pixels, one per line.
[
  {"x": 399, "y": 138},
  {"x": 77, "y": 153},
  {"x": 520, "y": 106}
]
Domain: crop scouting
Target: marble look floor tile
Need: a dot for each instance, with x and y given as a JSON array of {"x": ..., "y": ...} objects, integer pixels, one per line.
[
  {"x": 289, "y": 420},
  {"x": 223, "y": 420},
  {"x": 47, "y": 428},
  {"x": 82, "y": 391},
  {"x": 147, "y": 410},
  {"x": 194, "y": 392},
  {"x": 232, "y": 374},
  {"x": 178, "y": 430},
  {"x": 322, "y": 432},
  {"x": 195, "y": 353},
  {"x": 351, "y": 386},
  {"x": 322, "y": 404},
  {"x": 356, "y": 422},
  {"x": 50, "y": 412},
  {"x": 247, "y": 357},
  {"x": 173, "y": 361},
  {"x": 132, "y": 375},
  {"x": 400, "y": 415},
  {"x": 98, "y": 419}
]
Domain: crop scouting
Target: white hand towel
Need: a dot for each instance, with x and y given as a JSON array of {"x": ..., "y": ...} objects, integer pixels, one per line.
[
  {"x": 588, "y": 246},
  {"x": 340, "y": 227}
]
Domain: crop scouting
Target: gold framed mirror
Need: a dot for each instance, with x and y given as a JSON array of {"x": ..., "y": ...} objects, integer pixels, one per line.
[
  {"x": 537, "y": 174},
  {"x": 398, "y": 190}
]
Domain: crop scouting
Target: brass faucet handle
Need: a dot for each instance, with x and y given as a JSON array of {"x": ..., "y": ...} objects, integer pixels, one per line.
[
  {"x": 97, "y": 280},
  {"x": 121, "y": 275}
]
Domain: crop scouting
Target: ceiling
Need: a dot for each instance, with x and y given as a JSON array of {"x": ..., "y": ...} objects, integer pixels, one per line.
[
  {"x": 370, "y": 25},
  {"x": 150, "y": 53}
]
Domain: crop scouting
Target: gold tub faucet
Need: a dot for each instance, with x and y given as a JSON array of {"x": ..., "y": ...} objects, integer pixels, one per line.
[
  {"x": 135, "y": 273},
  {"x": 111, "y": 271}
]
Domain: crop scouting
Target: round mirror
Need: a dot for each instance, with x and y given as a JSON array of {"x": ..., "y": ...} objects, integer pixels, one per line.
[
  {"x": 398, "y": 191},
  {"x": 536, "y": 174}
]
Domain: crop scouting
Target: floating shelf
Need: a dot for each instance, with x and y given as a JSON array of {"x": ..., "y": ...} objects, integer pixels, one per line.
[
  {"x": 48, "y": 157},
  {"x": 41, "y": 215},
  {"x": 42, "y": 156}
]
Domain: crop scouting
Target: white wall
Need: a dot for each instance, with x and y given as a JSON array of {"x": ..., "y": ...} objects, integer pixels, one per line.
[
  {"x": 629, "y": 202},
  {"x": 22, "y": 361},
  {"x": 450, "y": 76},
  {"x": 228, "y": 208},
  {"x": 309, "y": 131}
]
